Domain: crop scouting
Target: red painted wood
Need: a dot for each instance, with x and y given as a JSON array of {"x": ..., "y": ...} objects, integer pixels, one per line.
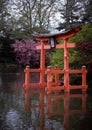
[
  {"x": 54, "y": 86},
  {"x": 69, "y": 45}
]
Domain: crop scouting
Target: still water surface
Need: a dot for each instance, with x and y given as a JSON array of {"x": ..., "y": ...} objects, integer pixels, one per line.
[{"x": 35, "y": 110}]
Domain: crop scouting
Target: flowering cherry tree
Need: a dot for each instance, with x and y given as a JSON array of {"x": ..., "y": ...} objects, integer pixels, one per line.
[{"x": 26, "y": 53}]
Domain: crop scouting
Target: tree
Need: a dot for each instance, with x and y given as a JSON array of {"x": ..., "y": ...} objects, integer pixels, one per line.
[
  {"x": 81, "y": 54},
  {"x": 31, "y": 15},
  {"x": 26, "y": 53},
  {"x": 88, "y": 12},
  {"x": 57, "y": 58},
  {"x": 72, "y": 12},
  {"x": 3, "y": 16}
]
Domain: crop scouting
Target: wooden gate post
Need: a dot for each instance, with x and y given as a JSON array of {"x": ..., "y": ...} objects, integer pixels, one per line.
[
  {"x": 66, "y": 66},
  {"x": 49, "y": 80},
  {"x": 57, "y": 76},
  {"x": 27, "y": 77},
  {"x": 42, "y": 64},
  {"x": 84, "y": 83}
]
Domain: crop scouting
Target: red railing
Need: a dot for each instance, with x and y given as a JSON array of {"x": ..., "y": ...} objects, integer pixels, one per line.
[{"x": 56, "y": 85}]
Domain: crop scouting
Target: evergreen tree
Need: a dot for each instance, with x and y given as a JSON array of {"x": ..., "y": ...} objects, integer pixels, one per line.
[
  {"x": 72, "y": 13},
  {"x": 88, "y": 12}
]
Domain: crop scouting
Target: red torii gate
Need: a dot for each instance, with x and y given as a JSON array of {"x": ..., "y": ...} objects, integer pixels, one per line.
[{"x": 53, "y": 38}]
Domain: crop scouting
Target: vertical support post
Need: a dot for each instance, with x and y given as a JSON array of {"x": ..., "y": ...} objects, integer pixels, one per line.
[
  {"x": 57, "y": 76},
  {"x": 84, "y": 84},
  {"x": 27, "y": 76},
  {"x": 42, "y": 64},
  {"x": 49, "y": 80},
  {"x": 66, "y": 66}
]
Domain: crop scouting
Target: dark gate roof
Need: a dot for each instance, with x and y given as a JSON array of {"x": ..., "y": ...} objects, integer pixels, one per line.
[{"x": 68, "y": 33}]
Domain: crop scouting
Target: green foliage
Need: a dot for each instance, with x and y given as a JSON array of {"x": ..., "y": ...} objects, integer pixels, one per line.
[
  {"x": 57, "y": 58},
  {"x": 84, "y": 35},
  {"x": 74, "y": 56},
  {"x": 83, "y": 46},
  {"x": 82, "y": 54}
]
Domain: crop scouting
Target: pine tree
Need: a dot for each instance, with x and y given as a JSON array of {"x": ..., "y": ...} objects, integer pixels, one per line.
[
  {"x": 88, "y": 12},
  {"x": 72, "y": 13}
]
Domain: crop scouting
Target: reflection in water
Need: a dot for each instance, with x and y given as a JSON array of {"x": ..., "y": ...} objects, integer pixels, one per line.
[
  {"x": 13, "y": 119},
  {"x": 66, "y": 112},
  {"x": 34, "y": 110},
  {"x": 11, "y": 101},
  {"x": 36, "y": 104},
  {"x": 55, "y": 109}
]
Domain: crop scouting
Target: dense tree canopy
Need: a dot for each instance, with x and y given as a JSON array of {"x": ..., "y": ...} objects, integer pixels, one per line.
[
  {"x": 20, "y": 18},
  {"x": 28, "y": 16},
  {"x": 82, "y": 53},
  {"x": 75, "y": 13},
  {"x": 27, "y": 54}
]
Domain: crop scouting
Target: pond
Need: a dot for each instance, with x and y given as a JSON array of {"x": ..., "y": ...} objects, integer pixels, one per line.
[{"x": 35, "y": 110}]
